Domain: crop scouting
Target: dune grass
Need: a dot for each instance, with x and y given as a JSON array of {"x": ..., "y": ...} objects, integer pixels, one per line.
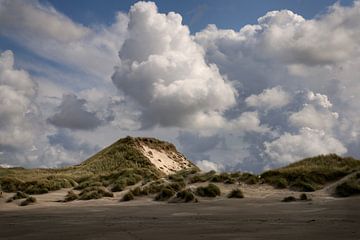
[
  {"x": 312, "y": 173},
  {"x": 27, "y": 201},
  {"x": 350, "y": 187},
  {"x": 210, "y": 190},
  {"x": 128, "y": 197},
  {"x": 17, "y": 195},
  {"x": 184, "y": 196},
  {"x": 71, "y": 196},
  {"x": 236, "y": 193},
  {"x": 94, "y": 193}
]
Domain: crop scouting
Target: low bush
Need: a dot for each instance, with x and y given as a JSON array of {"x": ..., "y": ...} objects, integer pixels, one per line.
[
  {"x": 210, "y": 190},
  {"x": 185, "y": 196},
  {"x": 248, "y": 178},
  {"x": 28, "y": 201},
  {"x": 137, "y": 191},
  {"x": 128, "y": 197},
  {"x": 17, "y": 195},
  {"x": 10, "y": 184},
  {"x": 224, "y": 178},
  {"x": 304, "y": 197},
  {"x": 177, "y": 186},
  {"x": 94, "y": 193},
  {"x": 277, "y": 182},
  {"x": 236, "y": 193},
  {"x": 153, "y": 187},
  {"x": 348, "y": 188},
  {"x": 71, "y": 196},
  {"x": 165, "y": 194},
  {"x": 118, "y": 186},
  {"x": 88, "y": 183},
  {"x": 289, "y": 199},
  {"x": 303, "y": 186},
  {"x": 202, "y": 177}
]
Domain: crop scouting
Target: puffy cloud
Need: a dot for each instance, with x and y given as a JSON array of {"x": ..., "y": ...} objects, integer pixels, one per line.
[
  {"x": 270, "y": 98},
  {"x": 30, "y": 19},
  {"x": 91, "y": 50},
  {"x": 74, "y": 115},
  {"x": 253, "y": 98},
  {"x": 206, "y": 166},
  {"x": 316, "y": 114},
  {"x": 70, "y": 143},
  {"x": 18, "y": 113},
  {"x": 168, "y": 76},
  {"x": 307, "y": 143}
]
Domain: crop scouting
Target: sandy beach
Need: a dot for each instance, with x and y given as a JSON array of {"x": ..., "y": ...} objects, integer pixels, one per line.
[{"x": 254, "y": 217}]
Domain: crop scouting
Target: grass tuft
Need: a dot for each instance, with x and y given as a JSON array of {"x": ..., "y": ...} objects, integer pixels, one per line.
[
  {"x": 27, "y": 201},
  {"x": 210, "y": 190},
  {"x": 236, "y": 193}
]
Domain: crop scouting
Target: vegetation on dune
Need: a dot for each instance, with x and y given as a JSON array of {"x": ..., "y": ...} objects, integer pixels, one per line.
[
  {"x": 349, "y": 187},
  {"x": 128, "y": 197},
  {"x": 289, "y": 199},
  {"x": 165, "y": 194},
  {"x": 27, "y": 201},
  {"x": 17, "y": 195},
  {"x": 236, "y": 193},
  {"x": 302, "y": 197},
  {"x": 312, "y": 173},
  {"x": 184, "y": 196},
  {"x": 94, "y": 193},
  {"x": 210, "y": 190},
  {"x": 71, "y": 196},
  {"x": 120, "y": 164}
]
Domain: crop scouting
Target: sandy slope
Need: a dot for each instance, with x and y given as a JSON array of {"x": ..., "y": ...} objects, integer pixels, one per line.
[{"x": 167, "y": 162}]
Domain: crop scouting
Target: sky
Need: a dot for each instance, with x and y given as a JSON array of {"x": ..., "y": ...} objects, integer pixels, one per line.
[{"x": 235, "y": 85}]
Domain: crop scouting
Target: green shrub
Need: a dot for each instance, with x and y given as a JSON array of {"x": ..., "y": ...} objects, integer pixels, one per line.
[
  {"x": 302, "y": 186},
  {"x": 28, "y": 201},
  {"x": 185, "y": 196},
  {"x": 223, "y": 177},
  {"x": 165, "y": 194},
  {"x": 210, "y": 190},
  {"x": 177, "y": 186},
  {"x": 348, "y": 188},
  {"x": 248, "y": 178},
  {"x": 154, "y": 187},
  {"x": 277, "y": 182},
  {"x": 304, "y": 197},
  {"x": 289, "y": 199},
  {"x": 17, "y": 195},
  {"x": 71, "y": 196},
  {"x": 128, "y": 197},
  {"x": 202, "y": 177},
  {"x": 10, "y": 184},
  {"x": 118, "y": 186},
  {"x": 94, "y": 192},
  {"x": 236, "y": 193},
  {"x": 88, "y": 183},
  {"x": 137, "y": 191}
]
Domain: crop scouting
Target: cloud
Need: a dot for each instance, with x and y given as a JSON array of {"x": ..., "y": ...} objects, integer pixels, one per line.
[
  {"x": 73, "y": 114},
  {"x": 207, "y": 166},
  {"x": 80, "y": 48},
  {"x": 70, "y": 143},
  {"x": 31, "y": 18},
  {"x": 274, "y": 97},
  {"x": 271, "y": 93},
  {"x": 18, "y": 113},
  {"x": 168, "y": 76},
  {"x": 307, "y": 143}
]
